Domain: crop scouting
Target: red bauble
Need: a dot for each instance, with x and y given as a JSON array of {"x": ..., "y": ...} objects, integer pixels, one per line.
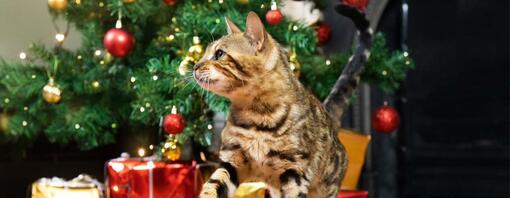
[
  {"x": 118, "y": 42},
  {"x": 323, "y": 33},
  {"x": 360, "y": 4},
  {"x": 385, "y": 119},
  {"x": 170, "y": 2},
  {"x": 274, "y": 17},
  {"x": 174, "y": 124}
]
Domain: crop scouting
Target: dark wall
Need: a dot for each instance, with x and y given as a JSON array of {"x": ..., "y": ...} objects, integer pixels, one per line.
[{"x": 455, "y": 104}]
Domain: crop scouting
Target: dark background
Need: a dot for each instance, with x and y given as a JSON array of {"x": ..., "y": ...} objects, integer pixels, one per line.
[{"x": 454, "y": 136}]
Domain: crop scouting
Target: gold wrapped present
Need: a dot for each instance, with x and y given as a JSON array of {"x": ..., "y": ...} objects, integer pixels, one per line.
[
  {"x": 82, "y": 186},
  {"x": 251, "y": 190},
  {"x": 356, "y": 146}
]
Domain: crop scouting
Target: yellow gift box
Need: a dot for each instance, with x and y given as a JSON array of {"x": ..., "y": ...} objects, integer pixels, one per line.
[
  {"x": 82, "y": 186},
  {"x": 356, "y": 146}
]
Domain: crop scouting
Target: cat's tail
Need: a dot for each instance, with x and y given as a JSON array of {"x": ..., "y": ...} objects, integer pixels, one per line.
[{"x": 349, "y": 79}]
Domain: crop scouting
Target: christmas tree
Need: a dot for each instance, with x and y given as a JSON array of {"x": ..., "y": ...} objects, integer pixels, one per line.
[{"x": 133, "y": 68}]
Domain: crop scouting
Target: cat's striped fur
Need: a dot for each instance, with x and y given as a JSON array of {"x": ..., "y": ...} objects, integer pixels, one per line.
[{"x": 277, "y": 132}]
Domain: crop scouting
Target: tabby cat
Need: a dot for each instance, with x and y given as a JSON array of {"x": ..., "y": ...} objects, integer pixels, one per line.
[{"x": 276, "y": 132}]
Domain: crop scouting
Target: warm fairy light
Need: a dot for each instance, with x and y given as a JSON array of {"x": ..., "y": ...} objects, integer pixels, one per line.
[
  {"x": 101, "y": 62},
  {"x": 7, "y": 100},
  {"x": 151, "y": 147},
  {"x": 177, "y": 29},
  {"x": 408, "y": 62},
  {"x": 328, "y": 62},
  {"x": 262, "y": 6},
  {"x": 141, "y": 152},
  {"x": 95, "y": 84},
  {"x": 101, "y": 4},
  {"x": 24, "y": 123},
  {"x": 77, "y": 126},
  {"x": 406, "y": 54},
  {"x": 174, "y": 110},
  {"x": 202, "y": 156},
  {"x": 174, "y": 19},
  {"x": 170, "y": 37},
  {"x": 22, "y": 55},
  {"x": 218, "y": 20},
  {"x": 25, "y": 108},
  {"x": 209, "y": 126},
  {"x": 78, "y": 2},
  {"x": 142, "y": 109},
  {"x": 97, "y": 52},
  {"x": 115, "y": 188},
  {"x": 167, "y": 145},
  {"x": 147, "y": 104},
  {"x": 79, "y": 57},
  {"x": 295, "y": 27},
  {"x": 114, "y": 125},
  {"x": 155, "y": 77},
  {"x": 133, "y": 79},
  {"x": 220, "y": 1},
  {"x": 33, "y": 76},
  {"x": 384, "y": 72},
  {"x": 60, "y": 37}
]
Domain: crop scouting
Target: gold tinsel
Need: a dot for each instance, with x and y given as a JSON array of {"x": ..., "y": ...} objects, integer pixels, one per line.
[
  {"x": 172, "y": 149},
  {"x": 294, "y": 64}
]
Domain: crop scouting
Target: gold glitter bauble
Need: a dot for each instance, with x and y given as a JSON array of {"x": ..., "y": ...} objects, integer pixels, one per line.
[
  {"x": 196, "y": 52},
  {"x": 57, "y": 5},
  {"x": 173, "y": 152},
  {"x": 51, "y": 92}
]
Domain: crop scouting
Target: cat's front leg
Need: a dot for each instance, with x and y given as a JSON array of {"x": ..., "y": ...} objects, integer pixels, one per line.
[
  {"x": 293, "y": 184},
  {"x": 222, "y": 184}
]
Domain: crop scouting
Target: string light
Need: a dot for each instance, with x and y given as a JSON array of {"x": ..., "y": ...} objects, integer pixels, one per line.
[
  {"x": 79, "y": 57},
  {"x": 114, "y": 125},
  {"x": 406, "y": 54},
  {"x": 7, "y": 100},
  {"x": 60, "y": 37},
  {"x": 95, "y": 84},
  {"x": 209, "y": 126},
  {"x": 101, "y": 4},
  {"x": 151, "y": 147},
  {"x": 97, "y": 52},
  {"x": 22, "y": 55},
  {"x": 147, "y": 105},
  {"x": 132, "y": 79},
  {"x": 33, "y": 76},
  {"x": 77, "y": 126},
  {"x": 295, "y": 27},
  {"x": 155, "y": 77},
  {"x": 141, "y": 152},
  {"x": 24, "y": 123},
  {"x": 328, "y": 62},
  {"x": 384, "y": 72},
  {"x": 25, "y": 108},
  {"x": 142, "y": 109}
]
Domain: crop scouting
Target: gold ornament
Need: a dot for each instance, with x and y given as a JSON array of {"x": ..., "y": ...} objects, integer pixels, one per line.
[
  {"x": 51, "y": 92},
  {"x": 196, "y": 51},
  {"x": 244, "y": 2},
  {"x": 294, "y": 64},
  {"x": 183, "y": 66},
  {"x": 4, "y": 121},
  {"x": 57, "y": 5},
  {"x": 172, "y": 149}
]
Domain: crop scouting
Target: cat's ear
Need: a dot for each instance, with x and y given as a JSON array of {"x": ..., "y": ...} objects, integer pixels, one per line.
[
  {"x": 255, "y": 29},
  {"x": 231, "y": 26}
]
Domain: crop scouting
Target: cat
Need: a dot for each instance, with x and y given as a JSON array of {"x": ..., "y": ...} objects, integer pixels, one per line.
[{"x": 276, "y": 132}]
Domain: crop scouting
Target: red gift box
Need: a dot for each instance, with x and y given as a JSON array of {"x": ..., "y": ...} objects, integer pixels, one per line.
[
  {"x": 353, "y": 194},
  {"x": 135, "y": 178}
]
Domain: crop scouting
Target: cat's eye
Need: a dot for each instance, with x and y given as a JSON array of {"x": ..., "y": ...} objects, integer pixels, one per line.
[{"x": 218, "y": 54}]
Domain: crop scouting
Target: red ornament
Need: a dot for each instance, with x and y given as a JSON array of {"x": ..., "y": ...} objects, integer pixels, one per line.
[
  {"x": 274, "y": 17},
  {"x": 170, "y": 2},
  {"x": 174, "y": 124},
  {"x": 118, "y": 42},
  {"x": 385, "y": 119},
  {"x": 360, "y": 4},
  {"x": 323, "y": 33}
]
